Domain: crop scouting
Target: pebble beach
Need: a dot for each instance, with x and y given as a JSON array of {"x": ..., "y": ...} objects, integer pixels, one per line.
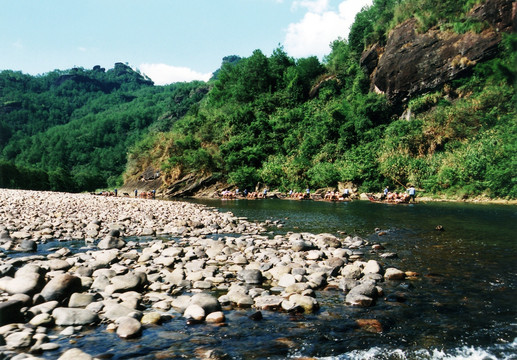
[{"x": 146, "y": 261}]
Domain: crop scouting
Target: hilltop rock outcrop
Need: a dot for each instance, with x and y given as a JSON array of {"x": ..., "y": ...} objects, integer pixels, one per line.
[{"x": 412, "y": 63}]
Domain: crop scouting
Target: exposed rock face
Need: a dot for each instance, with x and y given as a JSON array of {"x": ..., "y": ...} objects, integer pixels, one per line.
[{"x": 413, "y": 63}]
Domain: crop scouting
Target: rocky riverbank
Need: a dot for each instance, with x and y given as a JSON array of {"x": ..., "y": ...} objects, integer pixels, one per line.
[{"x": 149, "y": 261}]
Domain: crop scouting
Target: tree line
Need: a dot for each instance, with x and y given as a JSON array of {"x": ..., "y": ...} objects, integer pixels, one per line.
[{"x": 275, "y": 120}]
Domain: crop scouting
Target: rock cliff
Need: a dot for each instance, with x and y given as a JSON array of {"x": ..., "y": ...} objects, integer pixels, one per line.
[{"x": 411, "y": 63}]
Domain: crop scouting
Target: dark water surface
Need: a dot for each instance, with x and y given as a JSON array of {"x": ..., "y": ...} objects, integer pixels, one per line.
[{"x": 463, "y": 304}]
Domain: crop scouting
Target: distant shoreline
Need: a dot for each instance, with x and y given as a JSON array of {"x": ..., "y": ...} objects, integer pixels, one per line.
[{"x": 422, "y": 199}]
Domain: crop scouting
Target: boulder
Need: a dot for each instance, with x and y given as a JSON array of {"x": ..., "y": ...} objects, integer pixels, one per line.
[
  {"x": 268, "y": 302},
  {"x": 250, "y": 276},
  {"x": 79, "y": 300},
  {"x": 75, "y": 354},
  {"x": 128, "y": 282},
  {"x": 216, "y": 317},
  {"x": 111, "y": 242},
  {"x": 394, "y": 274},
  {"x": 195, "y": 312},
  {"x": 27, "y": 245},
  {"x": 208, "y": 302},
  {"x": 114, "y": 312},
  {"x": 128, "y": 327},
  {"x": 61, "y": 287},
  {"x": 17, "y": 340},
  {"x": 372, "y": 267},
  {"x": 73, "y": 316},
  {"x": 362, "y": 295},
  {"x": 10, "y": 312},
  {"x": 151, "y": 318},
  {"x": 308, "y": 303},
  {"x": 27, "y": 280}
]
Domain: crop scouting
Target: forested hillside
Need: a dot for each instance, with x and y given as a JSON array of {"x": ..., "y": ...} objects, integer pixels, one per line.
[
  {"x": 422, "y": 92},
  {"x": 70, "y": 130},
  {"x": 291, "y": 123}
]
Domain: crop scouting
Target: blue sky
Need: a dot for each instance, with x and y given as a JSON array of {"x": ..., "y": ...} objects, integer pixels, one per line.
[{"x": 168, "y": 40}]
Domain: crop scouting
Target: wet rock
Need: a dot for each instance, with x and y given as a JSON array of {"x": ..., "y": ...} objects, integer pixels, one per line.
[
  {"x": 239, "y": 297},
  {"x": 268, "y": 302},
  {"x": 128, "y": 327},
  {"x": 362, "y": 295},
  {"x": 111, "y": 242},
  {"x": 207, "y": 302},
  {"x": 195, "y": 312},
  {"x": 309, "y": 304},
  {"x": 326, "y": 240},
  {"x": 151, "y": 318},
  {"x": 389, "y": 255},
  {"x": 372, "y": 266},
  {"x": 370, "y": 325},
  {"x": 75, "y": 354},
  {"x": 394, "y": 274},
  {"x": 351, "y": 271},
  {"x": 217, "y": 317},
  {"x": 27, "y": 245},
  {"x": 256, "y": 316}
]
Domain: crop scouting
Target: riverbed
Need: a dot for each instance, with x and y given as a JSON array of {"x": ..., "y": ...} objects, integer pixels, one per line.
[
  {"x": 463, "y": 304},
  {"x": 459, "y": 305}
]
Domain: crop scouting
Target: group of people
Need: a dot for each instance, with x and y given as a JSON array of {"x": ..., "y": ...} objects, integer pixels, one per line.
[
  {"x": 336, "y": 195},
  {"x": 407, "y": 196},
  {"x": 229, "y": 194},
  {"x": 145, "y": 194},
  {"x": 106, "y": 193},
  {"x": 299, "y": 195}
]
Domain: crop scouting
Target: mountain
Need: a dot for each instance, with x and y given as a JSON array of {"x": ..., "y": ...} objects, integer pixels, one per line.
[
  {"x": 70, "y": 130},
  {"x": 421, "y": 92}
]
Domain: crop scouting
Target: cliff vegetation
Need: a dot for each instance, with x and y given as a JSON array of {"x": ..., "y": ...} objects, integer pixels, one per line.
[{"x": 421, "y": 92}]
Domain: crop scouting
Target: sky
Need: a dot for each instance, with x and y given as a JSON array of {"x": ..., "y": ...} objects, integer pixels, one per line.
[{"x": 168, "y": 40}]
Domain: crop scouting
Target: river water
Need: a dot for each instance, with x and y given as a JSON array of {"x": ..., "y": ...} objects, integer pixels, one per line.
[{"x": 463, "y": 305}]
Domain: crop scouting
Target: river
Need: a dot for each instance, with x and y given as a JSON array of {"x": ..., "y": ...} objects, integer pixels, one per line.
[{"x": 461, "y": 306}]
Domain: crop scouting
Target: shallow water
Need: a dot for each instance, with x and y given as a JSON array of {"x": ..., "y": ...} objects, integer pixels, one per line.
[{"x": 461, "y": 306}]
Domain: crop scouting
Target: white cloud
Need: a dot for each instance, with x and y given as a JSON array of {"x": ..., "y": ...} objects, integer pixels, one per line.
[
  {"x": 315, "y": 6},
  {"x": 163, "y": 74},
  {"x": 320, "y": 26}
]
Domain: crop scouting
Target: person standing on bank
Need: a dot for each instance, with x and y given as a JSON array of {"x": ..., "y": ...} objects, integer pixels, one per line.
[
  {"x": 411, "y": 191},
  {"x": 386, "y": 191}
]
